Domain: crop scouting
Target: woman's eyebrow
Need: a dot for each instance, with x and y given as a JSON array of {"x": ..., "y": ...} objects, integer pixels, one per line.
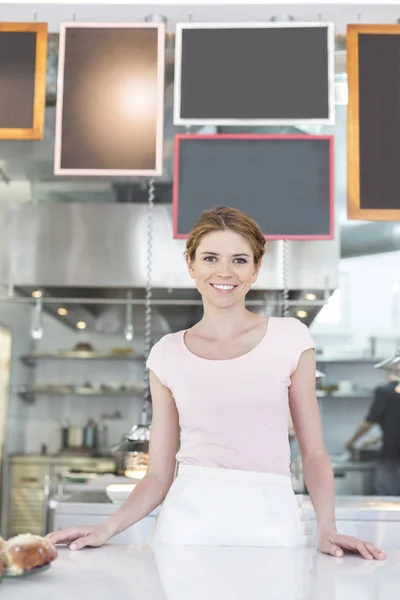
[{"x": 235, "y": 255}]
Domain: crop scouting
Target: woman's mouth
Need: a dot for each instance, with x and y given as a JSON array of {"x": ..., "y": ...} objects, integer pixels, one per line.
[{"x": 223, "y": 288}]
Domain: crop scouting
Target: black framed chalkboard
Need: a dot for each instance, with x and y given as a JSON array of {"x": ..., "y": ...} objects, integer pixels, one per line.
[
  {"x": 254, "y": 73},
  {"x": 285, "y": 183},
  {"x": 374, "y": 122}
]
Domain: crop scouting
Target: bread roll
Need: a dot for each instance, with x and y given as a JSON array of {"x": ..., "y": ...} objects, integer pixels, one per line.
[{"x": 26, "y": 552}]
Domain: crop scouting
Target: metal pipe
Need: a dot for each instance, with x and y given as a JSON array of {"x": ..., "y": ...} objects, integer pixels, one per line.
[{"x": 154, "y": 302}]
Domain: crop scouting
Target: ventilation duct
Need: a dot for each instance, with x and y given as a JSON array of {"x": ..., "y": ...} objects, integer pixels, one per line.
[{"x": 369, "y": 238}]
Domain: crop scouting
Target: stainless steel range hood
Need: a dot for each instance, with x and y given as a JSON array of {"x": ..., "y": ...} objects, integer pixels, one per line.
[{"x": 98, "y": 252}]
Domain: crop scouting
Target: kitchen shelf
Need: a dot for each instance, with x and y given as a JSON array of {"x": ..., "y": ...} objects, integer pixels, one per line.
[
  {"x": 368, "y": 360},
  {"x": 31, "y": 359},
  {"x": 29, "y": 394},
  {"x": 322, "y": 394}
]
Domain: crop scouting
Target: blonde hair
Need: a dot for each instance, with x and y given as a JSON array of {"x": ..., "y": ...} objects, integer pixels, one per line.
[{"x": 224, "y": 218}]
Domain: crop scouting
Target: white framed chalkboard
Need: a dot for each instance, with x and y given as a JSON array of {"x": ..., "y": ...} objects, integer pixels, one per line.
[
  {"x": 254, "y": 74},
  {"x": 110, "y": 99},
  {"x": 284, "y": 182}
]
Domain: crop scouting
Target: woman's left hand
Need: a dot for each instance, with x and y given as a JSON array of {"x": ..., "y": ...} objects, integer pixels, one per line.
[{"x": 336, "y": 544}]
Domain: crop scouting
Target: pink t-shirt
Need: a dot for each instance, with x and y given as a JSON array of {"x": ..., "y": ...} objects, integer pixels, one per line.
[{"x": 233, "y": 413}]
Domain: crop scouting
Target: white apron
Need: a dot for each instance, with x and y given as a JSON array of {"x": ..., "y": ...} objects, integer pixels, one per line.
[{"x": 224, "y": 507}]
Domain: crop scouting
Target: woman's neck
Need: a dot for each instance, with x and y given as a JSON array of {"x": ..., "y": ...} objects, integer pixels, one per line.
[{"x": 225, "y": 323}]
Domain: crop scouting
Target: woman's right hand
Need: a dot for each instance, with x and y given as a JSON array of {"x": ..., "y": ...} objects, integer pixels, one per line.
[{"x": 79, "y": 537}]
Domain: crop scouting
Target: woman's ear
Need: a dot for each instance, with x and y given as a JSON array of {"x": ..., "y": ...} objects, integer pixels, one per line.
[{"x": 189, "y": 264}]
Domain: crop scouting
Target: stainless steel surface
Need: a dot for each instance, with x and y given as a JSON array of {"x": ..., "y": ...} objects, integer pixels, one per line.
[
  {"x": 32, "y": 483},
  {"x": 353, "y": 482},
  {"x": 26, "y": 498},
  {"x": 390, "y": 364},
  {"x": 361, "y": 455},
  {"x": 43, "y": 246},
  {"x": 369, "y": 238}
]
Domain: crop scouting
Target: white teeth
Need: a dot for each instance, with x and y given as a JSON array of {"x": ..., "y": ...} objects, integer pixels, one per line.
[{"x": 223, "y": 287}]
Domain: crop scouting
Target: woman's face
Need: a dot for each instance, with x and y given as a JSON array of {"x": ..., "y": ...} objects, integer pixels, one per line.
[{"x": 223, "y": 268}]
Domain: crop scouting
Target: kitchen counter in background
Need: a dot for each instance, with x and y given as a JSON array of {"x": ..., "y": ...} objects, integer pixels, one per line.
[
  {"x": 93, "y": 506},
  {"x": 28, "y": 483},
  {"x": 372, "y": 518},
  {"x": 180, "y": 573}
]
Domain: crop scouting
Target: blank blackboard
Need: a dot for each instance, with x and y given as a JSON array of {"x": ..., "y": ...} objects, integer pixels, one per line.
[
  {"x": 374, "y": 122},
  {"x": 110, "y": 103},
  {"x": 17, "y": 78},
  {"x": 254, "y": 73},
  {"x": 379, "y": 81},
  {"x": 23, "y": 51},
  {"x": 285, "y": 183}
]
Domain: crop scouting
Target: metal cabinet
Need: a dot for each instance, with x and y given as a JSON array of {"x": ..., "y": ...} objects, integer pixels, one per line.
[
  {"x": 26, "y": 498},
  {"x": 31, "y": 481}
]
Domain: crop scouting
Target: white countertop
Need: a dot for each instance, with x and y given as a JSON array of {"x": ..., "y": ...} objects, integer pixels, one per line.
[
  {"x": 365, "y": 508},
  {"x": 193, "y": 573},
  {"x": 362, "y": 508}
]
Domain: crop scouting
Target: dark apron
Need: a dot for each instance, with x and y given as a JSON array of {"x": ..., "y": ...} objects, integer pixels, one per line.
[{"x": 387, "y": 478}]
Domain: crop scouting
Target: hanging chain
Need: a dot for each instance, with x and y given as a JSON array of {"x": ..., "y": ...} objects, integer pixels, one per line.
[
  {"x": 285, "y": 278},
  {"x": 147, "y": 326}
]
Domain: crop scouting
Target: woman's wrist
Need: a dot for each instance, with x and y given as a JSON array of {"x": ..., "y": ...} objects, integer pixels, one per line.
[
  {"x": 326, "y": 526},
  {"x": 110, "y": 527}
]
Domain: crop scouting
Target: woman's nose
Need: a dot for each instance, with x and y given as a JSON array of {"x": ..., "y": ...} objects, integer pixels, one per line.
[{"x": 224, "y": 270}]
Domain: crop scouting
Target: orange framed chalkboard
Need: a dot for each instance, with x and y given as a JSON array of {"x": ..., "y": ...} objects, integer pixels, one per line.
[
  {"x": 373, "y": 122},
  {"x": 23, "y": 57}
]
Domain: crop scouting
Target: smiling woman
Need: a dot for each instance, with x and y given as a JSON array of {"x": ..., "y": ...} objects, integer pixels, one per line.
[
  {"x": 233, "y": 486},
  {"x": 223, "y": 254}
]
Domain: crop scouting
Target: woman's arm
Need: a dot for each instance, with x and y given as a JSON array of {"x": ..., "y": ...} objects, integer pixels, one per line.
[
  {"x": 152, "y": 489},
  {"x": 318, "y": 472},
  {"x": 164, "y": 443}
]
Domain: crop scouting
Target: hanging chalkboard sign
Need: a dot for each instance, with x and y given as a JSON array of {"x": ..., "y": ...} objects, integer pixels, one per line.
[
  {"x": 110, "y": 99},
  {"x": 23, "y": 56},
  {"x": 373, "y": 172},
  {"x": 283, "y": 182},
  {"x": 254, "y": 73}
]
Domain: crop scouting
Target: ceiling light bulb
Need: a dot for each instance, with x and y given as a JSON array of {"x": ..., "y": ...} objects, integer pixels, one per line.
[
  {"x": 62, "y": 312},
  {"x": 302, "y": 314},
  {"x": 81, "y": 325},
  {"x": 129, "y": 333},
  {"x": 37, "y": 294},
  {"x": 310, "y": 297}
]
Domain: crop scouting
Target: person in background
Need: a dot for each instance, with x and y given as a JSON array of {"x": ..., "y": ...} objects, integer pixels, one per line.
[
  {"x": 220, "y": 393},
  {"x": 385, "y": 412}
]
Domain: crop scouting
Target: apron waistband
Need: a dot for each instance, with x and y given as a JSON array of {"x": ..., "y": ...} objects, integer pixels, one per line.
[{"x": 234, "y": 475}]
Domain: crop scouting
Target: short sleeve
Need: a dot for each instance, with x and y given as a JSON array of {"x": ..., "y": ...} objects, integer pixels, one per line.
[
  {"x": 302, "y": 341},
  {"x": 156, "y": 361},
  {"x": 378, "y": 407}
]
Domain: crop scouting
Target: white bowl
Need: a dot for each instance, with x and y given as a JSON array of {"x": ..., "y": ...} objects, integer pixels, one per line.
[{"x": 118, "y": 493}]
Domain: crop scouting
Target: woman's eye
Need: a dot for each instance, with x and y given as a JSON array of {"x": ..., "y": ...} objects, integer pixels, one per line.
[
  {"x": 210, "y": 258},
  {"x": 241, "y": 261}
]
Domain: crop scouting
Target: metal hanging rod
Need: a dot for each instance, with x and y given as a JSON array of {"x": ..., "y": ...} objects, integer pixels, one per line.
[{"x": 154, "y": 302}]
